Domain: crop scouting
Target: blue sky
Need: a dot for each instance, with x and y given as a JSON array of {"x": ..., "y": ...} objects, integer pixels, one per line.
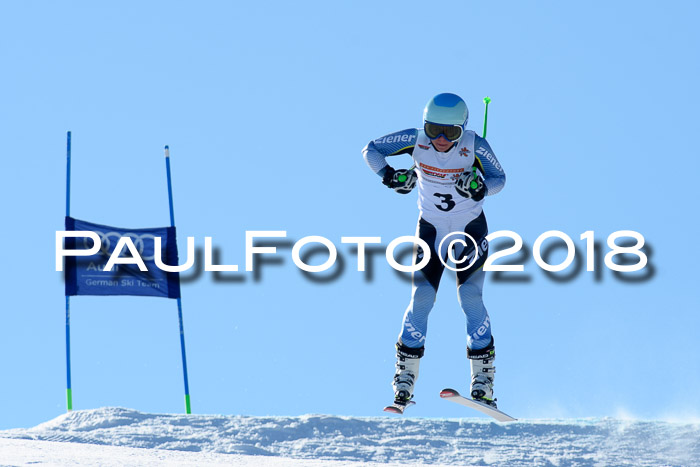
[{"x": 266, "y": 109}]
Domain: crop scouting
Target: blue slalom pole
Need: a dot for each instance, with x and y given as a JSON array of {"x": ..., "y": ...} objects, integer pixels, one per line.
[
  {"x": 69, "y": 391},
  {"x": 68, "y": 175},
  {"x": 170, "y": 186},
  {"x": 188, "y": 408},
  {"x": 179, "y": 300}
]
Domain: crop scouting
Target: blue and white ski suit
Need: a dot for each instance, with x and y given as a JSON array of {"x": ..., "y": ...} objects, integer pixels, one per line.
[{"x": 442, "y": 211}]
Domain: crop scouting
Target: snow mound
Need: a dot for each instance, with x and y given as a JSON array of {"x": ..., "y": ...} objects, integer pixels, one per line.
[{"x": 385, "y": 439}]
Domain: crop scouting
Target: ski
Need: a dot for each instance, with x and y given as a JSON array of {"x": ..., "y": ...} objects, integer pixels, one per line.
[
  {"x": 398, "y": 408},
  {"x": 454, "y": 396}
]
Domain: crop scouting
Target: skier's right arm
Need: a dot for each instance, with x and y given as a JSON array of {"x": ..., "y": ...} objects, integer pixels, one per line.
[{"x": 393, "y": 144}]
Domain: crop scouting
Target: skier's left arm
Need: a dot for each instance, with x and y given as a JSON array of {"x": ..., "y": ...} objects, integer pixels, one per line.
[
  {"x": 486, "y": 162},
  {"x": 393, "y": 144}
]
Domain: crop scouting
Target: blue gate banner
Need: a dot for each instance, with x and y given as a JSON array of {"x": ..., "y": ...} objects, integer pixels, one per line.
[{"x": 85, "y": 275}]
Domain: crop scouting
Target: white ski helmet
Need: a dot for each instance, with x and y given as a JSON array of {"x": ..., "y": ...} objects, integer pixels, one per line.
[{"x": 446, "y": 109}]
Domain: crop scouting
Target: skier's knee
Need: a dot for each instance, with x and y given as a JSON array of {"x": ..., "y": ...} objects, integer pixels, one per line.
[
  {"x": 470, "y": 295},
  {"x": 424, "y": 296}
]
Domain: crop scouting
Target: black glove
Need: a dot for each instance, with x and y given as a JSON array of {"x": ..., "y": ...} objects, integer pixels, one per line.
[
  {"x": 471, "y": 185},
  {"x": 402, "y": 180}
]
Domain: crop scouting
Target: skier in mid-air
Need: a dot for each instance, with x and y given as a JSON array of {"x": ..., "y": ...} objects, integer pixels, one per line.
[{"x": 455, "y": 169}]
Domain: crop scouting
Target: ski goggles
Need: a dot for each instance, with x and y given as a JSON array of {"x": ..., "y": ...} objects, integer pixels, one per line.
[{"x": 450, "y": 132}]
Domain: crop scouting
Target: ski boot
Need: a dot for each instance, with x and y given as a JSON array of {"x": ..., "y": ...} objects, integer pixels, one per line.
[
  {"x": 483, "y": 373},
  {"x": 407, "y": 362}
]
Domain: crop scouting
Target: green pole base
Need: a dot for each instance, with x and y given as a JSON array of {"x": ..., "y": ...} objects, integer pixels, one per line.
[
  {"x": 188, "y": 408},
  {"x": 69, "y": 399}
]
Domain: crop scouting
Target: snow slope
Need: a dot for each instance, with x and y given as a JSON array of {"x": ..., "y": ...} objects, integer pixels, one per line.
[{"x": 109, "y": 436}]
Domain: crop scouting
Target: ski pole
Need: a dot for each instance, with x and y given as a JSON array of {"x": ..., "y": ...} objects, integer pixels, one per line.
[{"x": 487, "y": 101}]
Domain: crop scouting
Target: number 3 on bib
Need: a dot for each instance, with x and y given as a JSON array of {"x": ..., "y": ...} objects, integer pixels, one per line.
[{"x": 446, "y": 200}]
